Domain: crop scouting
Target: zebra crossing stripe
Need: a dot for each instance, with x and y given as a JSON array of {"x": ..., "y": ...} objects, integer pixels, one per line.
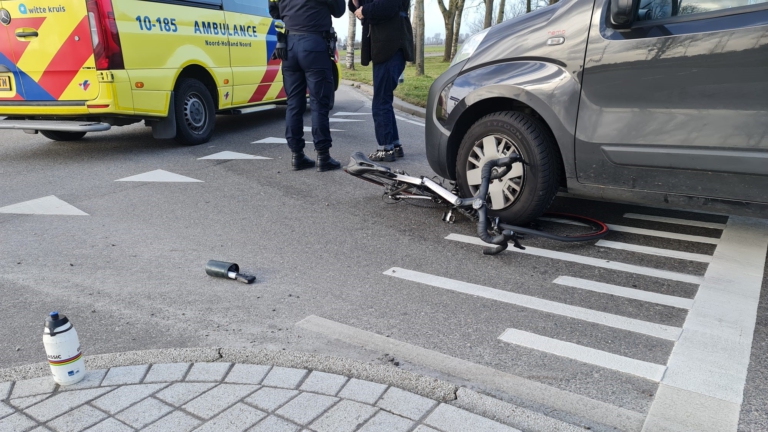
[
  {"x": 669, "y": 220},
  {"x": 635, "y": 294},
  {"x": 595, "y": 262},
  {"x": 655, "y": 251},
  {"x": 589, "y": 315},
  {"x": 663, "y": 234},
  {"x": 643, "y": 369}
]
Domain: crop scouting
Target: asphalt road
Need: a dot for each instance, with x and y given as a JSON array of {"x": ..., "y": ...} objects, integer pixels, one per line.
[{"x": 131, "y": 275}]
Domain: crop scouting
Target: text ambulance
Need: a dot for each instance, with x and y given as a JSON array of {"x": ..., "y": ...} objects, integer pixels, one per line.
[{"x": 69, "y": 67}]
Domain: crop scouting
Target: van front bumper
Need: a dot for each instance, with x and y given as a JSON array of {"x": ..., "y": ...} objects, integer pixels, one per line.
[{"x": 440, "y": 152}]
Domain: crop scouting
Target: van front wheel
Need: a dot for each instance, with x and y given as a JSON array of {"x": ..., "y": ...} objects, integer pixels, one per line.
[
  {"x": 195, "y": 112},
  {"x": 527, "y": 190},
  {"x": 63, "y": 136}
]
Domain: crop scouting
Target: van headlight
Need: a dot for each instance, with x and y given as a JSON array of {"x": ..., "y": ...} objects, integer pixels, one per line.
[{"x": 469, "y": 46}]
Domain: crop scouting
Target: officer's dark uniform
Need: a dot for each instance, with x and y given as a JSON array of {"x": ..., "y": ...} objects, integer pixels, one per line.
[{"x": 308, "y": 66}]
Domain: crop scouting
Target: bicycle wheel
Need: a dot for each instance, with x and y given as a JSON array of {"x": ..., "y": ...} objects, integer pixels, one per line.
[{"x": 564, "y": 227}]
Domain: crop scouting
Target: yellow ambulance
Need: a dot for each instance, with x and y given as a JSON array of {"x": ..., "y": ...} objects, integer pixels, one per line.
[{"x": 70, "y": 67}]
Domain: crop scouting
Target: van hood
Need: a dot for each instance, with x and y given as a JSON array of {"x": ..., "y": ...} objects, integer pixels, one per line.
[{"x": 518, "y": 37}]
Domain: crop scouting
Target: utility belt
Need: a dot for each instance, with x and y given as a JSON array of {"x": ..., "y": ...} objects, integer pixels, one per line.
[{"x": 281, "y": 49}]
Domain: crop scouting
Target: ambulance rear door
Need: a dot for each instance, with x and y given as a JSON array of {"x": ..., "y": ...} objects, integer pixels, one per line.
[
  {"x": 53, "y": 51},
  {"x": 7, "y": 62},
  {"x": 253, "y": 37}
]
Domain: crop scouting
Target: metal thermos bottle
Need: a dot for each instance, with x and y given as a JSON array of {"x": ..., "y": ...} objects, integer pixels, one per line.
[{"x": 63, "y": 350}]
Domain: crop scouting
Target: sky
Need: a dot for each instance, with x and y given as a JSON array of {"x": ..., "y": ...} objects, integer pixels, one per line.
[{"x": 433, "y": 21}]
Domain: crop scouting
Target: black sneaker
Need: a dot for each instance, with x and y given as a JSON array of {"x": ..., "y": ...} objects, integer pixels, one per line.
[
  {"x": 382, "y": 156},
  {"x": 399, "y": 151}
]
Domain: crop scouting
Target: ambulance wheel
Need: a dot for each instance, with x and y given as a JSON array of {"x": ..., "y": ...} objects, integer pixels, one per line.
[
  {"x": 195, "y": 112},
  {"x": 63, "y": 136}
]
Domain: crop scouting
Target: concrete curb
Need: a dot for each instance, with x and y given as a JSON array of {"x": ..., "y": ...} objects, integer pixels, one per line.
[
  {"x": 399, "y": 104},
  {"x": 431, "y": 388}
]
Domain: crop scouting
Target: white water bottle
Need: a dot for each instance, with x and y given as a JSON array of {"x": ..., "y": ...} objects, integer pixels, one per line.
[{"x": 62, "y": 347}]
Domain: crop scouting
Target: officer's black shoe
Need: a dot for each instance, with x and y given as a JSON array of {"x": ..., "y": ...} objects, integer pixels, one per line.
[
  {"x": 382, "y": 156},
  {"x": 325, "y": 162},
  {"x": 300, "y": 161},
  {"x": 399, "y": 151}
]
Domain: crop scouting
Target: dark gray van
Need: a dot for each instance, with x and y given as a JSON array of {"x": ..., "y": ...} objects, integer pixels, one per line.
[{"x": 652, "y": 101}]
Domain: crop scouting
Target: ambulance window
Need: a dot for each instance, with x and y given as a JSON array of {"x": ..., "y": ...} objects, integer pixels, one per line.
[{"x": 250, "y": 7}]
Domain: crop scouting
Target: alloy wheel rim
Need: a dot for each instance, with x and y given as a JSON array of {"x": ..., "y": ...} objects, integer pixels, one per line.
[{"x": 503, "y": 192}]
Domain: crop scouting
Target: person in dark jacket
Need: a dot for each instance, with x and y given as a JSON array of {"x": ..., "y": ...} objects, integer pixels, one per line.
[
  {"x": 388, "y": 42},
  {"x": 307, "y": 65}
]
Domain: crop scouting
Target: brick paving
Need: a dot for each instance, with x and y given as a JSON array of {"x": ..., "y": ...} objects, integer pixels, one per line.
[{"x": 225, "y": 397}]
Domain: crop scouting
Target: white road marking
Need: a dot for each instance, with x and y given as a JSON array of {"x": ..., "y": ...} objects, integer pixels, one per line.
[
  {"x": 409, "y": 121},
  {"x": 525, "y": 389},
  {"x": 160, "y": 176},
  {"x": 669, "y": 220},
  {"x": 636, "y": 294},
  {"x": 229, "y": 155},
  {"x": 655, "y": 251},
  {"x": 271, "y": 140},
  {"x": 344, "y": 113},
  {"x": 650, "y": 371},
  {"x": 642, "y": 231},
  {"x": 340, "y": 120},
  {"x": 596, "y": 262},
  {"x": 713, "y": 354},
  {"x": 663, "y": 234},
  {"x": 50, "y": 205},
  {"x": 610, "y": 320},
  {"x": 309, "y": 129}
]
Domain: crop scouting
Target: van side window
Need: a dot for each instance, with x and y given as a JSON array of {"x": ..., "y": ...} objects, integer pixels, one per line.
[
  {"x": 250, "y": 7},
  {"x": 661, "y": 9}
]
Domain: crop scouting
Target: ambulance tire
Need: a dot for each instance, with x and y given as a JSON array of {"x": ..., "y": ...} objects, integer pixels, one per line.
[
  {"x": 63, "y": 136},
  {"x": 195, "y": 112}
]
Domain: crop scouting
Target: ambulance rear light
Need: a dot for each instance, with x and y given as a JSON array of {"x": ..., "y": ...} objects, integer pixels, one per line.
[{"x": 104, "y": 34}]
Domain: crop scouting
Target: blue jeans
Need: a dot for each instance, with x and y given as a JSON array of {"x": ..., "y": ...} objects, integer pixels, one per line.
[
  {"x": 385, "y": 76},
  {"x": 308, "y": 67}
]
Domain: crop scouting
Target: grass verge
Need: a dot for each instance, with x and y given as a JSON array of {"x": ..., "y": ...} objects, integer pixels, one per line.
[{"x": 415, "y": 88}]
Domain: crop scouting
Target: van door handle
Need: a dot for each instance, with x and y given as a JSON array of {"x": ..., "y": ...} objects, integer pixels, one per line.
[{"x": 23, "y": 34}]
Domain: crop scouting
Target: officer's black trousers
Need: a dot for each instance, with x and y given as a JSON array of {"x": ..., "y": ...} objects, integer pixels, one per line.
[{"x": 308, "y": 67}]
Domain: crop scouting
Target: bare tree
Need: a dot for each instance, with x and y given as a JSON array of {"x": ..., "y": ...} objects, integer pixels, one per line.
[
  {"x": 514, "y": 9},
  {"x": 418, "y": 35},
  {"x": 449, "y": 17},
  {"x": 500, "y": 16},
  {"x": 456, "y": 28},
  {"x": 351, "y": 41},
  {"x": 488, "y": 21}
]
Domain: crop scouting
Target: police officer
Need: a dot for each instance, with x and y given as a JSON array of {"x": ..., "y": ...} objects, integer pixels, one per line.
[{"x": 307, "y": 65}]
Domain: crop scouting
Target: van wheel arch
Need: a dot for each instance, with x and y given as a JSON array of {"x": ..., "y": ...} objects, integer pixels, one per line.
[
  {"x": 201, "y": 74},
  {"x": 489, "y": 106}
]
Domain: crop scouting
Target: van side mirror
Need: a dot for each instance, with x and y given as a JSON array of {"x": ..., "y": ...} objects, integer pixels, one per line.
[{"x": 622, "y": 13}]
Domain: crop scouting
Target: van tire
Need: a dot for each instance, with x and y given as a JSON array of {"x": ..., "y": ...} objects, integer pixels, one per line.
[
  {"x": 63, "y": 136},
  {"x": 195, "y": 112},
  {"x": 540, "y": 180}
]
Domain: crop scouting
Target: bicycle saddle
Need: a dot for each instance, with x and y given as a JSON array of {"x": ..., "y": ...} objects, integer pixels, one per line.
[{"x": 359, "y": 164}]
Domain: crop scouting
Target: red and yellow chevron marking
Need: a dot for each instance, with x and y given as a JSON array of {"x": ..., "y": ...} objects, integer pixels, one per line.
[
  {"x": 67, "y": 62},
  {"x": 12, "y": 47},
  {"x": 56, "y": 65},
  {"x": 273, "y": 68},
  {"x": 65, "y": 362}
]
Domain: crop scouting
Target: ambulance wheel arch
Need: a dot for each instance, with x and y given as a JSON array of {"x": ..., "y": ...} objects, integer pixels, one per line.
[{"x": 195, "y": 103}]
